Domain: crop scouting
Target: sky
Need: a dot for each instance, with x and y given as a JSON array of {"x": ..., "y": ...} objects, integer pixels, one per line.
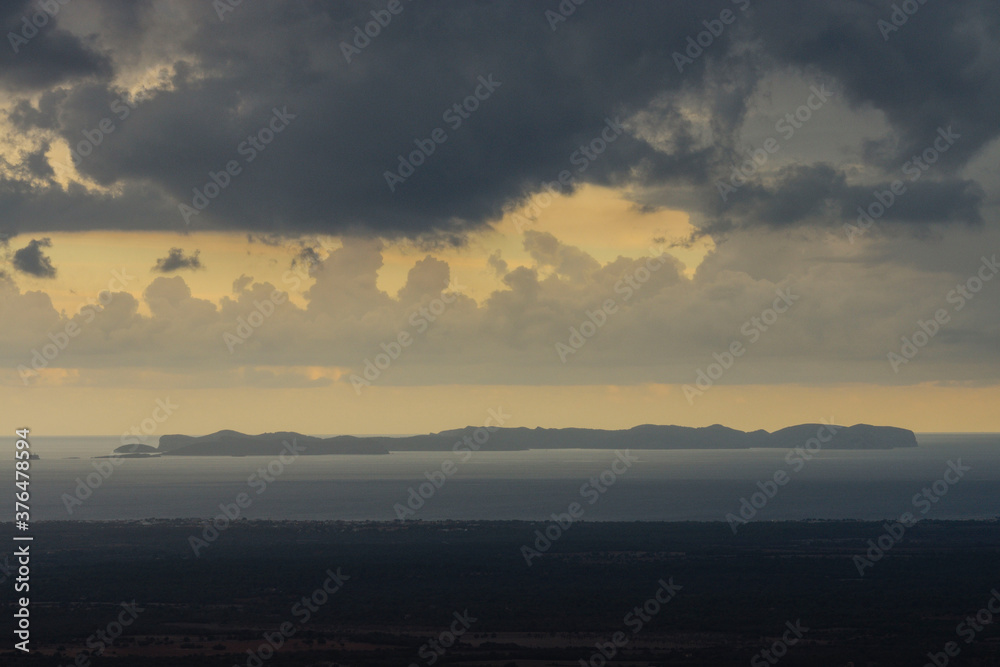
[{"x": 396, "y": 216}]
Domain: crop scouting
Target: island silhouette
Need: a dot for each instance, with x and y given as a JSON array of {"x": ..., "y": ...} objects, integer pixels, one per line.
[{"x": 644, "y": 437}]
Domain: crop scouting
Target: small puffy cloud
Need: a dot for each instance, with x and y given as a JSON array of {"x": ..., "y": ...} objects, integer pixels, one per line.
[
  {"x": 497, "y": 263},
  {"x": 33, "y": 261},
  {"x": 567, "y": 260},
  {"x": 426, "y": 279},
  {"x": 240, "y": 283},
  {"x": 177, "y": 260}
]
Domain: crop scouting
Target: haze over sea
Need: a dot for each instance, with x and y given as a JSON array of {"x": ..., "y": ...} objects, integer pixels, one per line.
[{"x": 672, "y": 485}]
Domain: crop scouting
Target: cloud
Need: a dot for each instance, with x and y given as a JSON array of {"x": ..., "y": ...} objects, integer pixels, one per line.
[
  {"x": 820, "y": 195},
  {"x": 177, "y": 260},
  {"x": 566, "y": 260},
  {"x": 264, "y": 377},
  {"x": 939, "y": 69},
  {"x": 26, "y": 118},
  {"x": 37, "y": 164},
  {"x": 33, "y": 261},
  {"x": 307, "y": 257},
  {"x": 851, "y": 311},
  {"x": 497, "y": 263},
  {"x": 240, "y": 283},
  {"x": 211, "y": 98},
  {"x": 40, "y": 53},
  {"x": 425, "y": 281}
]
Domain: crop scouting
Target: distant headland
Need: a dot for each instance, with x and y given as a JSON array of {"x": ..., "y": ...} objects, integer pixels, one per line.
[{"x": 233, "y": 443}]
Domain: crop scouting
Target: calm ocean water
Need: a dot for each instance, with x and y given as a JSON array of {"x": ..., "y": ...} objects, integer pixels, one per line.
[{"x": 662, "y": 485}]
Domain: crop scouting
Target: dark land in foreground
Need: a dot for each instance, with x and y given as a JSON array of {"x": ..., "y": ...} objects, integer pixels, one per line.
[
  {"x": 401, "y": 585},
  {"x": 494, "y": 438}
]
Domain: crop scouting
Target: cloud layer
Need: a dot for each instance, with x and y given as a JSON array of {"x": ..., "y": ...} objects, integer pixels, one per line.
[
  {"x": 155, "y": 123},
  {"x": 841, "y": 171},
  {"x": 565, "y": 319}
]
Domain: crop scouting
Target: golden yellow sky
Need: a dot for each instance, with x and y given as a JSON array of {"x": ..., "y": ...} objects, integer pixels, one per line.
[
  {"x": 84, "y": 261},
  {"x": 386, "y": 409},
  {"x": 600, "y": 221}
]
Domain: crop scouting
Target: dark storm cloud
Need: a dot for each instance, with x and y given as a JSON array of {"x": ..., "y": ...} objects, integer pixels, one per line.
[
  {"x": 26, "y": 117},
  {"x": 820, "y": 194},
  {"x": 37, "y": 164},
  {"x": 940, "y": 68},
  {"x": 177, "y": 260},
  {"x": 33, "y": 261},
  {"x": 273, "y": 240},
  {"x": 25, "y": 206},
  {"x": 37, "y": 53},
  {"x": 343, "y": 125},
  {"x": 325, "y": 171}
]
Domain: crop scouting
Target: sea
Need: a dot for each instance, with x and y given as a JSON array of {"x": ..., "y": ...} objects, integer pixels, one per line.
[{"x": 644, "y": 485}]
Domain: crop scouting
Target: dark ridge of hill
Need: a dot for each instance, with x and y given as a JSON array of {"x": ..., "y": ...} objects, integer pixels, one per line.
[
  {"x": 136, "y": 448},
  {"x": 233, "y": 443},
  {"x": 647, "y": 436}
]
